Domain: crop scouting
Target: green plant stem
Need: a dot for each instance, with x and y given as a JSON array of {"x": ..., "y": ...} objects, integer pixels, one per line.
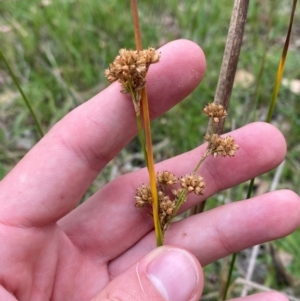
[
  {"x": 184, "y": 193},
  {"x": 281, "y": 64},
  {"x": 233, "y": 258},
  {"x": 181, "y": 199},
  {"x": 136, "y": 103},
  {"x": 142, "y": 137},
  {"x": 250, "y": 188},
  {"x": 207, "y": 153},
  {"x": 37, "y": 124}
]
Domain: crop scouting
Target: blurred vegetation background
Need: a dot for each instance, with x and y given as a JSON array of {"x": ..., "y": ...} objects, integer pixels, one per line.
[{"x": 59, "y": 49}]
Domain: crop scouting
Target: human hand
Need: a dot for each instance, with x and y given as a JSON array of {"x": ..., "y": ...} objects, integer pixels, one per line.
[{"x": 105, "y": 248}]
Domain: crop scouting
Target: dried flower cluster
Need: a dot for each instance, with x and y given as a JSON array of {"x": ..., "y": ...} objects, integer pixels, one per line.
[
  {"x": 166, "y": 177},
  {"x": 130, "y": 68},
  {"x": 215, "y": 112},
  {"x": 222, "y": 146},
  {"x": 217, "y": 145},
  {"x": 193, "y": 183},
  {"x": 143, "y": 196},
  {"x": 168, "y": 196}
]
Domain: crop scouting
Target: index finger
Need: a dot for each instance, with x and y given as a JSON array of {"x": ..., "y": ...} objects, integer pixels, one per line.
[{"x": 51, "y": 179}]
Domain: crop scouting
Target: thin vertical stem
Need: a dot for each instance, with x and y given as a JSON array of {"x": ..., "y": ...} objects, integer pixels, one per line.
[
  {"x": 146, "y": 119},
  {"x": 158, "y": 230},
  {"x": 141, "y": 137},
  {"x": 226, "y": 80},
  {"x": 281, "y": 64},
  {"x": 229, "y": 275},
  {"x": 136, "y": 25},
  {"x": 228, "y": 68},
  {"x": 270, "y": 113},
  {"x": 200, "y": 161},
  {"x": 37, "y": 124},
  {"x": 231, "y": 56}
]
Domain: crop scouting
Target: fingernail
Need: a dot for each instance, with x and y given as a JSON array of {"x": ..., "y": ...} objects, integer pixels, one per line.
[{"x": 174, "y": 274}]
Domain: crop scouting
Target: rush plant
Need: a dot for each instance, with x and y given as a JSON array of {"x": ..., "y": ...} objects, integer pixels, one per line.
[{"x": 130, "y": 68}]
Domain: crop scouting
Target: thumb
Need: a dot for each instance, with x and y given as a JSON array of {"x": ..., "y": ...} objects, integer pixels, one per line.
[{"x": 165, "y": 274}]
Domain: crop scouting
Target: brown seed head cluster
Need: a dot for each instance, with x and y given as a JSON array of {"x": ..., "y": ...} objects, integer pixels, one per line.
[
  {"x": 130, "y": 68},
  {"x": 215, "y": 112},
  {"x": 166, "y": 177},
  {"x": 168, "y": 197},
  {"x": 166, "y": 207},
  {"x": 143, "y": 196},
  {"x": 222, "y": 146},
  {"x": 193, "y": 183}
]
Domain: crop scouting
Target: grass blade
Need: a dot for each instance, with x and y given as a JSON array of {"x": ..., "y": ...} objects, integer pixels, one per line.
[
  {"x": 37, "y": 124},
  {"x": 281, "y": 64}
]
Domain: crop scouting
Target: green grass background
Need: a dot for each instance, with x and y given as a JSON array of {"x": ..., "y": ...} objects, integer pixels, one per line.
[{"x": 59, "y": 50}]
